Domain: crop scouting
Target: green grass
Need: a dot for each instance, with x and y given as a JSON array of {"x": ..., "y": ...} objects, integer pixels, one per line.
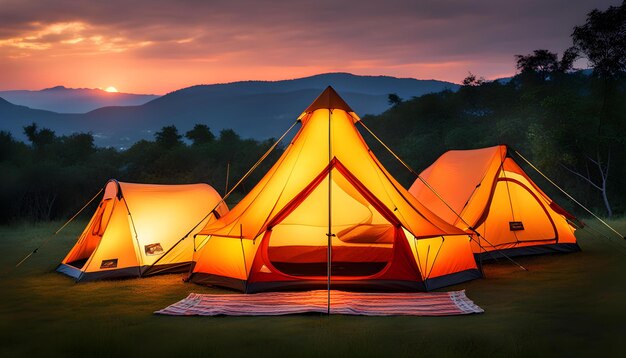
[{"x": 565, "y": 305}]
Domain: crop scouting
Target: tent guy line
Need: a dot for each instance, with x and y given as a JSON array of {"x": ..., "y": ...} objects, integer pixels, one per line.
[
  {"x": 58, "y": 230},
  {"x": 489, "y": 193},
  {"x": 372, "y": 219},
  {"x": 327, "y": 215},
  {"x": 620, "y": 235},
  {"x": 440, "y": 198},
  {"x": 135, "y": 227}
]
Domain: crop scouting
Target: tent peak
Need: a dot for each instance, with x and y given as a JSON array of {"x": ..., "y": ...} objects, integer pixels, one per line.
[{"x": 329, "y": 99}]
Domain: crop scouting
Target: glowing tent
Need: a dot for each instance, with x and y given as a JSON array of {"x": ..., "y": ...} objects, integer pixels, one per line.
[
  {"x": 328, "y": 214},
  {"x": 486, "y": 190},
  {"x": 140, "y": 229}
]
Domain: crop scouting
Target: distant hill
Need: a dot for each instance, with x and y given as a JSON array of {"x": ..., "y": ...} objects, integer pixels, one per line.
[
  {"x": 73, "y": 100},
  {"x": 14, "y": 117},
  {"x": 254, "y": 109}
]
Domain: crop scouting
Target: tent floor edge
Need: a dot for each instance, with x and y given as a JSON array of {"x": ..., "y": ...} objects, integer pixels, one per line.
[
  {"x": 452, "y": 279},
  {"x": 562, "y": 248},
  {"x": 69, "y": 270},
  {"x": 206, "y": 279},
  {"x": 122, "y": 273},
  {"x": 179, "y": 267},
  {"x": 346, "y": 285}
]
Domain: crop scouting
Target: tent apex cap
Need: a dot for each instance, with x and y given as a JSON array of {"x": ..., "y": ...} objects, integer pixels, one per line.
[{"x": 329, "y": 99}]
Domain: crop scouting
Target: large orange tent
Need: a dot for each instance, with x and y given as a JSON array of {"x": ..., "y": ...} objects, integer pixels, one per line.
[
  {"x": 141, "y": 229},
  {"x": 485, "y": 191},
  {"x": 328, "y": 214}
]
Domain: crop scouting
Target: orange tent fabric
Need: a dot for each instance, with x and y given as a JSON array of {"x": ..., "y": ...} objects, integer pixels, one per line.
[
  {"x": 486, "y": 190},
  {"x": 138, "y": 230},
  {"x": 327, "y": 210}
]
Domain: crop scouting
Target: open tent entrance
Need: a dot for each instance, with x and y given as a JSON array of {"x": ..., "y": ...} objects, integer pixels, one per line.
[
  {"x": 328, "y": 215},
  {"x": 90, "y": 238},
  {"x": 362, "y": 239}
]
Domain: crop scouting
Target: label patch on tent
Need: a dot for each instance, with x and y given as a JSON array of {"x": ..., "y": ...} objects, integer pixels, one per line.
[
  {"x": 516, "y": 225},
  {"x": 153, "y": 249},
  {"x": 108, "y": 264}
]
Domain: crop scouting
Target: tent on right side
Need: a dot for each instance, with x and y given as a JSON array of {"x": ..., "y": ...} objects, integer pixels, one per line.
[{"x": 485, "y": 191}]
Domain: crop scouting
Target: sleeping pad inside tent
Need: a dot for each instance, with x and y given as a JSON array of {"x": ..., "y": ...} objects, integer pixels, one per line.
[
  {"x": 486, "y": 191},
  {"x": 137, "y": 230},
  {"x": 328, "y": 214}
]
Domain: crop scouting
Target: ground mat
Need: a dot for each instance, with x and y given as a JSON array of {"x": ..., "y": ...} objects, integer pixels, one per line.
[{"x": 348, "y": 303}]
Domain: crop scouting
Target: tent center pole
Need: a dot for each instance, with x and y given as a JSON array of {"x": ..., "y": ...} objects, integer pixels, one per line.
[{"x": 330, "y": 232}]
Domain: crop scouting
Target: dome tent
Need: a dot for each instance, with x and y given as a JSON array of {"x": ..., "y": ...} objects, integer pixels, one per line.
[
  {"x": 487, "y": 192},
  {"x": 141, "y": 229}
]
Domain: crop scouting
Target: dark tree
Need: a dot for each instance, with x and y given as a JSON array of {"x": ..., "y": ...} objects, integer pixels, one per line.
[
  {"x": 200, "y": 134},
  {"x": 39, "y": 137},
  {"x": 7, "y": 145},
  {"x": 544, "y": 64},
  {"x": 602, "y": 40},
  {"x": 229, "y": 136},
  {"x": 168, "y": 137},
  {"x": 393, "y": 99},
  {"x": 471, "y": 80},
  {"x": 541, "y": 63},
  {"x": 567, "y": 59},
  {"x": 78, "y": 147}
]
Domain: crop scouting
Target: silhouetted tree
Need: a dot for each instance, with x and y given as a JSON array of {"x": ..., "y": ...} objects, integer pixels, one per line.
[
  {"x": 393, "y": 99},
  {"x": 602, "y": 39},
  {"x": 544, "y": 64},
  {"x": 229, "y": 137},
  {"x": 472, "y": 80},
  {"x": 200, "y": 134},
  {"x": 7, "y": 145},
  {"x": 39, "y": 137},
  {"x": 168, "y": 137},
  {"x": 568, "y": 58},
  {"x": 541, "y": 63},
  {"x": 77, "y": 147}
]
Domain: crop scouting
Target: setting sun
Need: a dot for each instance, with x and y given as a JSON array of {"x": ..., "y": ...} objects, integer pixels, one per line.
[{"x": 111, "y": 89}]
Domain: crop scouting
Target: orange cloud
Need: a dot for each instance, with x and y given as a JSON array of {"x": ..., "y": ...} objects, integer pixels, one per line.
[
  {"x": 65, "y": 39},
  {"x": 156, "y": 46}
]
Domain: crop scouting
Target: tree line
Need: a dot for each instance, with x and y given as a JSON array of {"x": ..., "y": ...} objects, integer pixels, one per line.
[
  {"x": 52, "y": 176},
  {"x": 571, "y": 123}
]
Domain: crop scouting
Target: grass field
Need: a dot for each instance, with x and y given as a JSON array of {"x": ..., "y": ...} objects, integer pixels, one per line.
[{"x": 565, "y": 305}]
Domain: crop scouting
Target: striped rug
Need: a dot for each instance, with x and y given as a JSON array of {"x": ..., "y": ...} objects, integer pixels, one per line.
[{"x": 347, "y": 303}]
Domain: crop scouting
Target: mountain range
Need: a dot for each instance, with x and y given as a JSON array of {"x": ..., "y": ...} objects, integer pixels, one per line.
[
  {"x": 254, "y": 109},
  {"x": 74, "y": 100}
]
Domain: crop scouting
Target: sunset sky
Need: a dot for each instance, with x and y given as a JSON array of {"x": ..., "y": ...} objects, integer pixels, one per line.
[{"x": 157, "y": 46}]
